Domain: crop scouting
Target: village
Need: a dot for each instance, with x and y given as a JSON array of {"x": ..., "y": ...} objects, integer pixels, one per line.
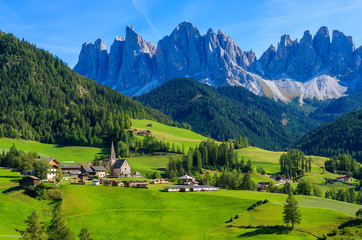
[{"x": 119, "y": 174}]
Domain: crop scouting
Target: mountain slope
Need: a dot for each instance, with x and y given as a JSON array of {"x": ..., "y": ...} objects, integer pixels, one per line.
[
  {"x": 343, "y": 135},
  {"x": 321, "y": 67},
  {"x": 42, "y": 99},
  {"x": 211, "y": 112}
]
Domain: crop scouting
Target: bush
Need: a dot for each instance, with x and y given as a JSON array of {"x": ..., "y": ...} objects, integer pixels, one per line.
[
  {"x": 265, "y": 201},
  {"x": 174, "y": 179},
  {"x": 54, "y": 194},
  {"x": 236, "y": 216}
]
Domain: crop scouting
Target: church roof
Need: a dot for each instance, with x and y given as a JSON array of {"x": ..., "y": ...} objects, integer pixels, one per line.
[
  {"x": 112, "y": 150},
  {"x": 126, "y": 172},
  {"x": 119, "y": 163}
]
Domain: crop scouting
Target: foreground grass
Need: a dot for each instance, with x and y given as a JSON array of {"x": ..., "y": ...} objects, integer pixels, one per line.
[
  {"x": 64, "y": 154},
  {"x": 126, "y": 213}
]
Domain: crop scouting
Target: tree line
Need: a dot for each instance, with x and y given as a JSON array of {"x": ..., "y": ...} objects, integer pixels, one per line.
[
  {"x": 294, "y": 164},
  {"x": 42, "y": 99}
]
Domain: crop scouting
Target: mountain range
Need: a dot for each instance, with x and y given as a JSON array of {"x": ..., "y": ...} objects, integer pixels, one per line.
[{"x": 319, "y": 66}]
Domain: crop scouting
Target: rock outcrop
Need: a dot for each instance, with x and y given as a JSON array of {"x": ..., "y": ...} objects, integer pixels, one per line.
[{"x": 311, "y": 67}]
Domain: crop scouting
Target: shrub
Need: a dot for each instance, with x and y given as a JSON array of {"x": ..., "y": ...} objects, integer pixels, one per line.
[
  {"x": 265, "y": 201},
  {"x": 236, "y": 216},
  {"x": 54, "y": 194}
]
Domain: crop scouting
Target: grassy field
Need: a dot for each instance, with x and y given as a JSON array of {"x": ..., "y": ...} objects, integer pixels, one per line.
[
  {"x": 169, "y": 134},
  {"x": 60, "y": 152},
  {"x": 269, "y": 160},
  {"x": 126, "y": 213}
]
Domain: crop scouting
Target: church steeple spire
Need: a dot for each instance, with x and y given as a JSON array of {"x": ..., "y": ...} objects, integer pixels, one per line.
[
  {"x": 113, "y": 153},
  {"x": 111, "y": 160}
]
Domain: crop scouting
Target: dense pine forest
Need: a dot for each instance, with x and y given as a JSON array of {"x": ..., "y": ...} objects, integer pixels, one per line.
[
  {"x": 343, "y": 135},
  {"x": 42, "y": 99},
  {"x": 226, "y": 112}
]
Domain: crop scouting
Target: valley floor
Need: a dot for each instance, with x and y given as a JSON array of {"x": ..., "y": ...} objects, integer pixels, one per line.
[{"x": 127, "y": 213}]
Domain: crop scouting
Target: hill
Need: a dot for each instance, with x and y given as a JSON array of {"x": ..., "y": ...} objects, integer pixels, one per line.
[
  {"x": 42, "y": 99},
  {"x": 343, "y": 135},
  {"x": 226, "y": 113}
]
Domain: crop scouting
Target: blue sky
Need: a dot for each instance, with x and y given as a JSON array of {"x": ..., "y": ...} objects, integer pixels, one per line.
[{"x": 61, "y": 27}]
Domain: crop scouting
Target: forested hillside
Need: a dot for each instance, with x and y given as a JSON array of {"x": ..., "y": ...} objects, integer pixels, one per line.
[
  {"x": 343, "y": 135},
  {"x": 210, "y": 112},
  {"x": 42, "y": 99}
]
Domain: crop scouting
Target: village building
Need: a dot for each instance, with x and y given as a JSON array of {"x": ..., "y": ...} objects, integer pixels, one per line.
[
  {"x": 54, "y": 166},
  {"x": 71, "y": 171},
  {"x": 143, "y": 133},
  {"x": 344, "y": 178},
  {"x": 190, "y": 188},
  {"x": 187, "y": 180},
  {"x": 280, "y": 178},
  {"x": 261, "y": 186},
  {"x": 26, "y": 182},
  {"x": 159, "y": 181},
  {"x": 99, "y": 171},
  {"x": 95, "y": 182},
  {"x": 134, "y": 130},
  {"x": 87, "y": 173},
  {"x": 118, "y": 167},
  {"x": 137, "y": 175}
]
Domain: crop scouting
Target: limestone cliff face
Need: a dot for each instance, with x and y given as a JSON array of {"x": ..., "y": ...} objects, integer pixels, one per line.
[{"x": 312, "y": 67}]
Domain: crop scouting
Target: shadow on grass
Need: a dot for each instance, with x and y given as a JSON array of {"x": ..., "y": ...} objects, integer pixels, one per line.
[
  {"x": 12, "y": 189},
  {"x": 351, "y": 223},
  {"x": 266, "y": 230},
  {"x": 10, "y": 176}
]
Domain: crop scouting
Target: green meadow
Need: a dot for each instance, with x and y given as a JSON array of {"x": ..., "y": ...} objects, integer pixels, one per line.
[
  {"x": 179, "y": 136},
  {"x": 70, "y": 154},
  {"x": 127, "y": 213}
]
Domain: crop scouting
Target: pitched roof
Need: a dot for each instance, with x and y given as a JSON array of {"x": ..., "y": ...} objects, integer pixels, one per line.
[
  {"x": 137, "y": 174},
  {"x": 112, "y": 150},
  {"x": 98, "y": 168},
  {"x": 343, "y": 176},
  {"x": 126, "y": 172},
  {"x": 88, "y": 169},
  {"x": 33, "y": 177},
  {"x": 119, "y": 163},
  {"x": 186, "y": 177}
]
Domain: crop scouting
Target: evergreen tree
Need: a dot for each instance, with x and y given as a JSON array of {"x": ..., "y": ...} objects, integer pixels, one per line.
[
  {"x": 85, "y": 234},
  {"x": 35, "y": 229},
  {"x": 59, "y": 229},
  {"x": 291, "y": 213},
  {"x": 96, "y": 161}
]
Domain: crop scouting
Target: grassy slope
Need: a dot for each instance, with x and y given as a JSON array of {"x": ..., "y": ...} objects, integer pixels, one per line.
[
  {"x": 175, "y": 135},
  {"x": 125, "y": 213},
  {"x": 60, "y": 152}
]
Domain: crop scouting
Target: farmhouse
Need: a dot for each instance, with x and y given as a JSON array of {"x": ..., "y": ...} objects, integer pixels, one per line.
[
  {"x": 118, "y": 167},
  {"x": 188, "y": 180},
  {"x": 71, "y": 170},
  {"x": 26, "y": 182},
  {"x": 99, "y": 171},
  {"x": 280, "y": 178},
  {"x": 134, "y": 130},
  {"x": 190, "y": 188},
  {"x": 261, "y": 186},
  {"x": 143, "y": 133},
  {"x": 343, "y": 178},
  {"x": 137, "y": 175},
  {"x": 54, "y": 166}
]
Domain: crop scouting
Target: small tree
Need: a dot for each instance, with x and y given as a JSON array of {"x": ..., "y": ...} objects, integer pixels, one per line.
[
  {"x": 59, "y": 175},
  {"x": 41, "y": 168},
  {"x": 35, "y": 229},
  {"x": 291, "y": 213},
  {"x": 85, "y": 234},
  {"x": 96, "y": 161}
]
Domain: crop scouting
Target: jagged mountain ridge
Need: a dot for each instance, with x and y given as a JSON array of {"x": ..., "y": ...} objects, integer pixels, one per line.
[{"x": 311, "y": 67}]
